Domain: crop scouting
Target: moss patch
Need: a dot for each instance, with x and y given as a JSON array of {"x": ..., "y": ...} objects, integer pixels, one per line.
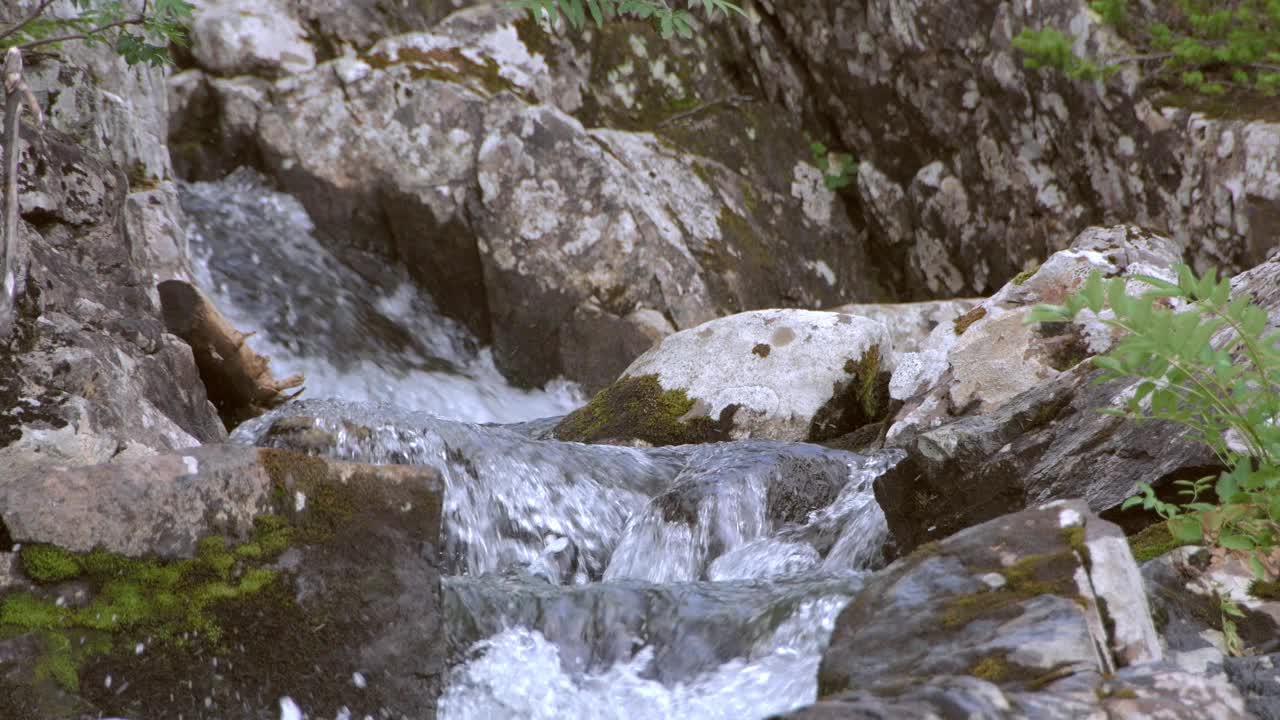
[
  {"x": 447, "y": 65},
  {"x": 165, "y": 601},
  {"x": 860, "y": 400},
  {"x": 638, "y": 408},
  {"x": 963, "y": 322},
  {"x": 1025, "y": 274},
  {"x": 992, "y": 668},
  {"x": 48, "y": 564},
  {"x": 762, "y": 349},
  {"x": 1153, "y": 542},
  {"x": 1265, "y": 589},
  {"x": 1028, "y": 578}
]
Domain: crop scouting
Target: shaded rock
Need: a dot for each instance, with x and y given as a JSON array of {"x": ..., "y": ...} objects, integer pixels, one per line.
[
  {"x": 278, "y": 575},
  {"x": 90, "y": 373},
  {"x": 1259, "y": 681},
  {"x": 971, "y": 166},
  {"x": 1012, "y": 601},
  {"x": 1157, "y": 689},
  {"x": 779, "y": 374},
  {"x": 1187, "y": 587}
]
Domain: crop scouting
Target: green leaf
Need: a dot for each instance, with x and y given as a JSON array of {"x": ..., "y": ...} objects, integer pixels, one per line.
[
  {"x": 1236, "y": 542},
  {"x": 1093, "y": 291},
  {"x": 1186, "y": 528}
]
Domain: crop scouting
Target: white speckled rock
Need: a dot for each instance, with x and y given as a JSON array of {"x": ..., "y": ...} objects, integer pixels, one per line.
[
  {"x": 780, "y": 367},
  {"x": 238, "y": 37},
  {"x": 987, "y": 356}
]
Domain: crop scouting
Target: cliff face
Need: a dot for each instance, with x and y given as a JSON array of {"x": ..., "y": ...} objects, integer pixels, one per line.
[{"x": 89, "y": 373}]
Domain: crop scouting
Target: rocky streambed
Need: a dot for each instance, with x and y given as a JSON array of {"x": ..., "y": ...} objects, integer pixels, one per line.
[{"x": 614, "y": 407}]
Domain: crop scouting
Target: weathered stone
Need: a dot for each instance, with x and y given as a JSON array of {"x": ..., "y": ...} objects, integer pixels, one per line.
[
  {"x": 161, "y": 505},
  {"x": 90, "y": 373},
  {"x": 430, "y": 147},
  {"x": 313, "y": 580},
  {"x": 989, "y": 354},
  {"x": 243, "y": 37},
  {"x": 910, "y": 324},
  {"x": 1011, "y": 601},
  {"x": 1051, "y": 441},
  {"x": 971, "y": 165},
  {"x": 778, "y": 374}
]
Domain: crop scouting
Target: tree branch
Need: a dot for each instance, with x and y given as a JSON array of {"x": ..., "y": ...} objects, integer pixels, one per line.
[
  {"x": 136, "y": 20},
  {"x": 27, "y": 20}
]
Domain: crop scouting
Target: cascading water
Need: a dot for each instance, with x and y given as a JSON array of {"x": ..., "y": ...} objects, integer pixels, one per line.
[
  {"x": 586, "y": 581},
  {"x": 356, "y": 336}
]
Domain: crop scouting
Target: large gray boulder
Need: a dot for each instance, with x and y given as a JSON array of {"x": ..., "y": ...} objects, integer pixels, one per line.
[
  {"x": 307, "y": 579},
  {"x": 1040, "y": 613},
  {"x": 462, "y": 153}
]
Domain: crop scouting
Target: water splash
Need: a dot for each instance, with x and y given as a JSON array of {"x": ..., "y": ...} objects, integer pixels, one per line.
[
  {"x": 356, "y": 335},
  {"x": 778, "y": 676}
]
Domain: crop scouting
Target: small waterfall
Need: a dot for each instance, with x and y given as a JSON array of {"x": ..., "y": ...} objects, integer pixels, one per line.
[
  {"x": 367, "y": 335},
  {"x": 656, "y": 514},
  {"x": 585, "y": 581}
]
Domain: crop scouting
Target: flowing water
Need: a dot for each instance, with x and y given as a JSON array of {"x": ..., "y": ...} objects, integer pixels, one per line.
[
  {"x": 583, "y": 581},
  {"x": 356, "y": 335}
]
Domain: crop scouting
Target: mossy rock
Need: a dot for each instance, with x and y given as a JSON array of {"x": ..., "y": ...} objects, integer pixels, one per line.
[
  {"x": 860, "y": 401},
  {"x": 639, "y": 408},
  {"x": 1152, "y": 542},
  {"x": 341, "y": 576}
]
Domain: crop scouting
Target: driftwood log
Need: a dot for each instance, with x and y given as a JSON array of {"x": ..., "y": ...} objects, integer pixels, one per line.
[{"x": 238, "y": 380}]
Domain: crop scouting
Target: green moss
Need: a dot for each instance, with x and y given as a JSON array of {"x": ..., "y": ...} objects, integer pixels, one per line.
[
  {"x": 48, "y": 564},
  {"x": 1025, "y": 274},
  {"x": 169, "y": 601},
  {"x": 639, "y": 408},
  {"x": 856, "y": 403},
  {"x": 1153, "y": 542},
  {"x": 963, "y": 322},
  {"x": 992, "y": 668},
  {"x": 1265, "y": 589},
  {"x": 1030, "y": 577},
  {"x": 140, "y": 180},
  {"x": 447, "y": 65},
  {"x": 866, "y": 376}
]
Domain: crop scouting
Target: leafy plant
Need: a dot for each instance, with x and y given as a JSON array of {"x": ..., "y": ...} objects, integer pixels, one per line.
[
  {"x": 1209, "y": 46},
  {"x": 671, "y": 21},
  {"x": 1206, "y": 361},
  {"x": 837, "y": 169},
  {"x": 139, "y": 37}
]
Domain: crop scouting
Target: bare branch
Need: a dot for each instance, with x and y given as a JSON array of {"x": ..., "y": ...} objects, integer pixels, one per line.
[
  {"x": 136, "y": 20},
  {"x": 27, "y": 20}
]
